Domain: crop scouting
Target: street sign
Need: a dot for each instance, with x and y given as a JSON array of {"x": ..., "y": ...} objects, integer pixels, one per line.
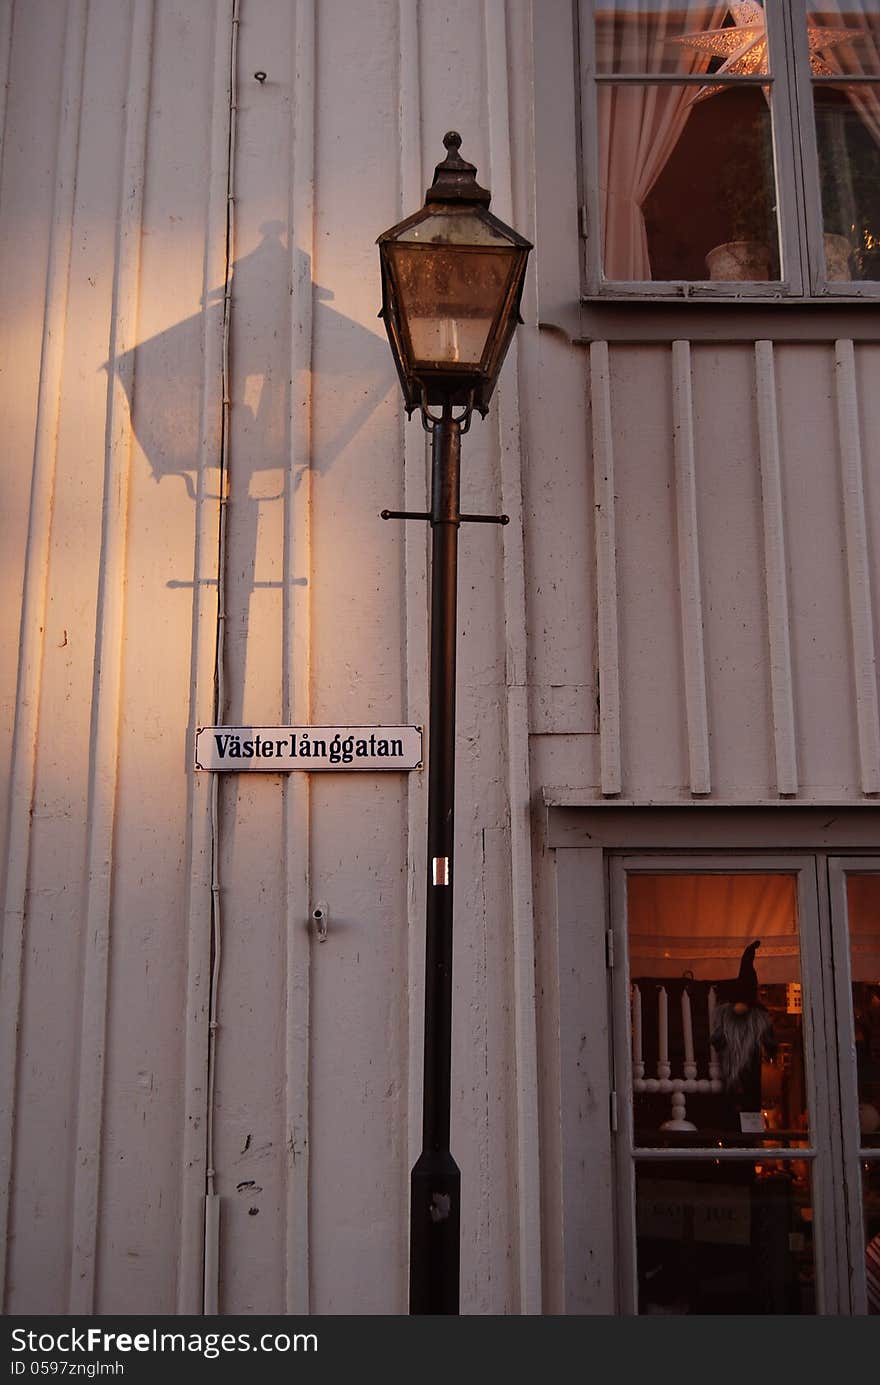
[{"x": 278, "y": 749}]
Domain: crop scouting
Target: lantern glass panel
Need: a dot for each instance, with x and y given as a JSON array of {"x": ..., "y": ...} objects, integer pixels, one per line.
[
  {"x": 450, "y": 299},
  {"x": 452, "y": 227}
]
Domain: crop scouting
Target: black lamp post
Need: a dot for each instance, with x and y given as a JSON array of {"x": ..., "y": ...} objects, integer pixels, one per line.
[{"x": 452, "y": 279}]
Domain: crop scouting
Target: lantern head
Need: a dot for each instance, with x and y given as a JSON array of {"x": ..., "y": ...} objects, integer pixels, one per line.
[{"x": 452, "y": 280}]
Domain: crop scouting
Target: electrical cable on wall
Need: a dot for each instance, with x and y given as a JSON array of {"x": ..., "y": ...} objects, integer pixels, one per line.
[{"x": 212, "y": 1204}]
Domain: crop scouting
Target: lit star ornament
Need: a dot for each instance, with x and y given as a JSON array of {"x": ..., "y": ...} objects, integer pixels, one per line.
[{"x": 744, "y": 47}]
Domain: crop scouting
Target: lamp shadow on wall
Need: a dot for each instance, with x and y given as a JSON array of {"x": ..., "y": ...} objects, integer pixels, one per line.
[{"x": 162, "y": 380}]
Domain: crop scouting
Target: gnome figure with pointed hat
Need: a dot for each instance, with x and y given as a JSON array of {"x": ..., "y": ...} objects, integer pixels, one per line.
[{"x": 742, "y": 1032}]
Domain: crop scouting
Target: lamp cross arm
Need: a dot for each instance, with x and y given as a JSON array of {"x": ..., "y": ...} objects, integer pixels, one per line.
[{"x": 461, "y": 519}]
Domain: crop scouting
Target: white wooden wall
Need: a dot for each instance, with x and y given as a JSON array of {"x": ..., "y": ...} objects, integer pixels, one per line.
[
  {"x": 115, "y": 264},
  {"x": 684, "y": 603},
  {"x": 728, "y": 604}
]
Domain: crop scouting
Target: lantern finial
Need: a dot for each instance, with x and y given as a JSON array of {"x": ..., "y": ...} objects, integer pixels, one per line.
[{"x": 455, "y": 179}]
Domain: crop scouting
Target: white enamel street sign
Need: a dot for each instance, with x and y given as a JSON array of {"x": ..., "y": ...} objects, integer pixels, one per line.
[{"x": 282, "y": 748}]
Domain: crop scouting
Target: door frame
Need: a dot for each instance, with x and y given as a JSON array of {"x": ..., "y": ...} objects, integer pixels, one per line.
[
  {"x": 581, "y": 836},
  {"x": 803, "y": 866},
  {"x": 839, "y": 867}
]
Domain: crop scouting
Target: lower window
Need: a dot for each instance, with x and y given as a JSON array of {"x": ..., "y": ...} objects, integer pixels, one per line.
[{"x": 747, "y": 1068}]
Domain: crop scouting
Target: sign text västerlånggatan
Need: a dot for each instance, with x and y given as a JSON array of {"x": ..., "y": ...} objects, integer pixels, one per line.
[{"x": 282, "y": 748}]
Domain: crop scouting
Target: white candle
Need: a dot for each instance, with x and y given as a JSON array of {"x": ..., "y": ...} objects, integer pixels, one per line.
[
  {"x": 662, "y": 1027},
  {"x": 687, "y": 1027},
  {"x": 637, "y": 1025}
]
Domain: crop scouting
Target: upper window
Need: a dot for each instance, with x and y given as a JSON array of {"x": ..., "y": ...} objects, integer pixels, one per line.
[{"x": 732, "y": 149}]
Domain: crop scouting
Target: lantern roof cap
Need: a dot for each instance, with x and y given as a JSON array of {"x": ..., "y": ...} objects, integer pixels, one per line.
[{"x": 455, "y": 180}]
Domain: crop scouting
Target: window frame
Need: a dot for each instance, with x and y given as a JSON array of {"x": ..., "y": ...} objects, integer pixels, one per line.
[
  {"x": 830, "y": 1296},
  {"x": 583, "y": 835},
  {"x": 795, "y": 157},
  {"x": 855, "y": 1151}
]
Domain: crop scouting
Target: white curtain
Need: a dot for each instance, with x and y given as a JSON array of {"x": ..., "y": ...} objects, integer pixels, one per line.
[
  {"x": 701, "y": 922},
  {"x": 639, "y": 126}
]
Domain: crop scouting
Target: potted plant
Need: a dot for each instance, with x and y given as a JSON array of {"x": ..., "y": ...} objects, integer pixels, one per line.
[
  {"x": 739, "y": 259},
  {"x": 838, "y": 253}
]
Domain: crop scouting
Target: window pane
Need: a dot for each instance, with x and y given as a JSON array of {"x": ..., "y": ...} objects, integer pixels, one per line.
[
  {"x": 680, "y": 180},
  {"x": 650, "y": 36},
  {"x": 447, "y": 226},
  {"x": 724, "y": 1237},
  {"x": 863, "y": 916},
  {"x": 450, "y": 300},
  {"x": 848, "y": 143},
  {"x": 716, "y": 1011},
  {"x": 845, "y": 37}
]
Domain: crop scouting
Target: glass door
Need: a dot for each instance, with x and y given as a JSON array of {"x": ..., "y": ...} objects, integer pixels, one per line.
[{"x": 726, "y": 1150}]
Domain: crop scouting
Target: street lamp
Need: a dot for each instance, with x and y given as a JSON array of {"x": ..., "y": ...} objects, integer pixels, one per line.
[{"x": 452, "y": 279}]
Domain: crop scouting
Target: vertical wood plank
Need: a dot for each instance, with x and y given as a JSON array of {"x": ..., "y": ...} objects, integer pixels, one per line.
[
  {"x": 606, "y": 570},
  {"x": 696, "y": 707},
  {"x": 858, "y": 567},
  {"x": 190, "y": 1283},
  {"x": 775, "y": 572},
  {"x": 498, "y": 59},
  {"x": 297, "y": 664},
  {"x": 415, "y": 540},
  {"x": 816, "y": 561},
  {"x": 7, "y": 19},
  {"x": 24, "y": 746},
  {"x": 108, "y": 671},
  {"x": 587, "y": 1172}
]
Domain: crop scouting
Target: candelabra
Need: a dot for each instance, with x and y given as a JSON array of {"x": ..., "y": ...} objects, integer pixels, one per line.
[{"x": 664, "y": 1082}]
